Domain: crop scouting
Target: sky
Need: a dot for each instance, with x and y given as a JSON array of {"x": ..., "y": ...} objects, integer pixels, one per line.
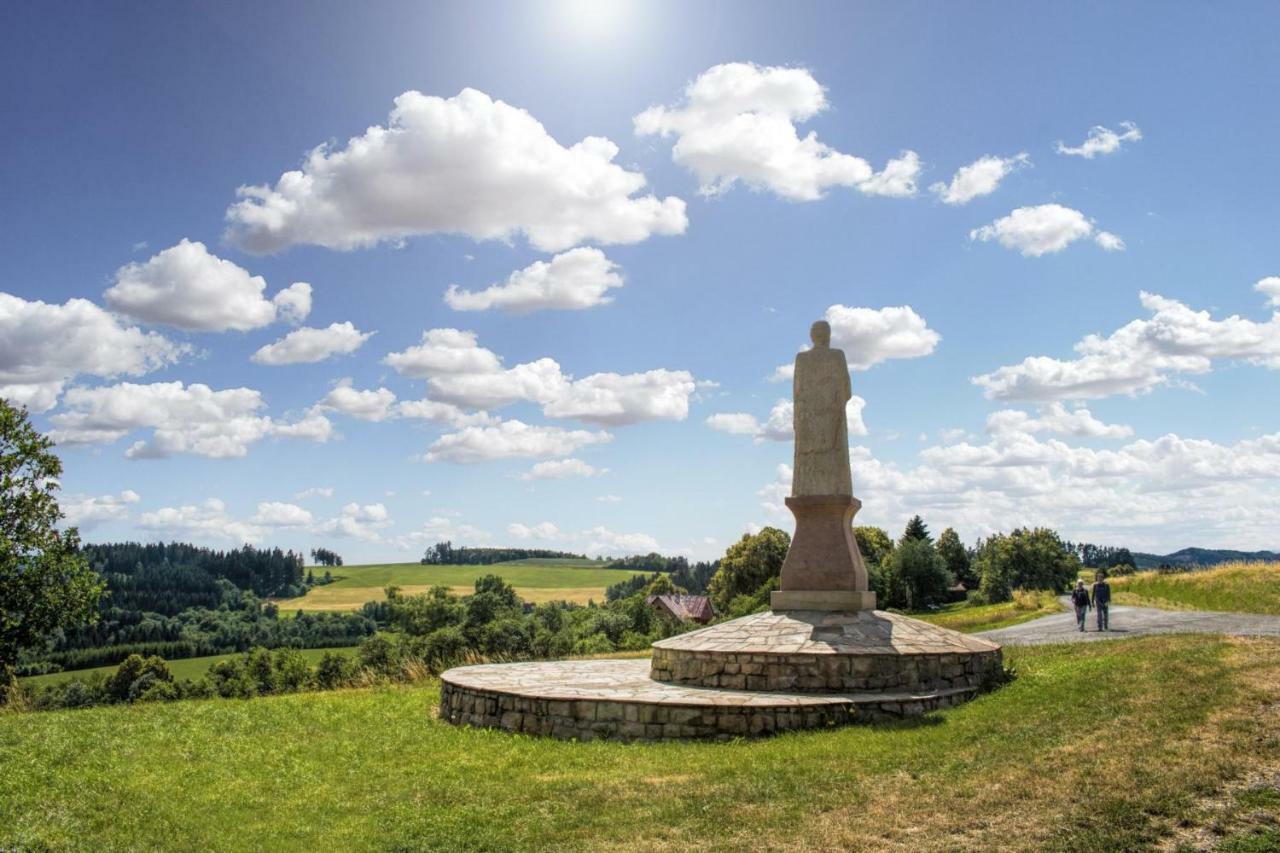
[{"x": 371, "y": 276}]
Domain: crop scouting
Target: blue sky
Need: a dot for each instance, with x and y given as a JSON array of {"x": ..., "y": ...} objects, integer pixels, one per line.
[{"x": 765, "y": 166}]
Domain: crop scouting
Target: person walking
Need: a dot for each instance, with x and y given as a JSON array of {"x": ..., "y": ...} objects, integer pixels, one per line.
[
  {"x": 1101, "y": 600},
  {"x": 1080, "y": 598}
]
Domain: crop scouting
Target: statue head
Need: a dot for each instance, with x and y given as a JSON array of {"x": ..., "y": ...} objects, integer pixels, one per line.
[{"x": 820, "y": 334}]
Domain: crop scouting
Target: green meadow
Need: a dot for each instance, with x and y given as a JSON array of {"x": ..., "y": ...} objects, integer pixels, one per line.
[
  {"x": 1103, "y": 746},
  {"x": 534, "y": 580},
  {"x": 1246, "y": 587},
  {"x": 190, "y": 668}
]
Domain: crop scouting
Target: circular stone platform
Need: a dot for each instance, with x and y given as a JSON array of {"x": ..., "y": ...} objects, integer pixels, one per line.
[
  {"x": 617, "y": 700},
  {"x": 815, "y": 651}
]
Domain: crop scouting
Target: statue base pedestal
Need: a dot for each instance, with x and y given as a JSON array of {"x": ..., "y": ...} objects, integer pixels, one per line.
[
  {"x": 823, "y": 569},
  {"x": 822, "y": 600}
]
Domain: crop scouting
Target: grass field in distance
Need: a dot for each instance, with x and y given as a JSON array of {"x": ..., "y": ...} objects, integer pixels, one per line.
[{"x": 534, "y": 580}]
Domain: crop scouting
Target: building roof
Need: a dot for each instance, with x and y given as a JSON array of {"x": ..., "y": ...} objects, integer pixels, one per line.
[{"x": 696, "y": 608}]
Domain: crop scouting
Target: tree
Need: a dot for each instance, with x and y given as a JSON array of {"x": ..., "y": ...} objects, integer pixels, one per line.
[
  {"x": 917, "y": 529},
  {"x": 749, "y": 564},
  {"x": 873, "y": 544},
  {"x": 45, "y": 584},
  {"x": 916, "y": 575},
  {"x": 1024, "y": 559},
  {"x": 954, "y": 554}
]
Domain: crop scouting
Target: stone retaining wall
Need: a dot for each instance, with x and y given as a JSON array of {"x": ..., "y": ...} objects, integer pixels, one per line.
[
  {"x": 827, "y": 673},
  {"x": 595, "y": 719}
]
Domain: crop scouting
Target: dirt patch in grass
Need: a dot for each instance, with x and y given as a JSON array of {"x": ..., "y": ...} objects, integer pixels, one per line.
[{"x": 1243, "y": 812}]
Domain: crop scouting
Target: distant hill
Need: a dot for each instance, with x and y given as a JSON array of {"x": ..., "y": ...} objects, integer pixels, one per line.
[{"x": 1201, "y": 557}]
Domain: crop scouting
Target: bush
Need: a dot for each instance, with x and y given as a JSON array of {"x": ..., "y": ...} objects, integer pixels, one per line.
[
  {"x": 293, "y": 673},
  {"x": 379, "y": 655},
  {"x": 444, "y": 648},
  {"x": 229, "y": 679},
  {"x": 135, "y": 675},
  {"x": 334, "y": 670}
]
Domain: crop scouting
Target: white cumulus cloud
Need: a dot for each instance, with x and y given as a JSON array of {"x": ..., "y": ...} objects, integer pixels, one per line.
[
  {"x": 544, "y": 530},
  {"x": 193, "y": 419},
  {"x": 280, "y": 514},
  {"x": 188, "y": 287},
  {"x": 459, "y": 371},
  {"x": 1055, "y": 418},
  {"x": 380, "y": 404},
  {"x": 462, "y": 165},
  {"x": 1044, "y": 229},
  {"x": 205, "y": 522},
  {"x": 43, "y": 346},
  {"x": 1141, "y": 355},
  {"x": 737, "y": 123},
  {"x": 1270, "y": 288},
  {"x": 870, "y": 336},
  {"x": 309, "y": 345},
  {"x": 1102, "y": 140},
  {"x": 979, "y": 178},
  {"x": 510, "y": 440},
  {"x": 315, "y": 492},
  {"x": 88, "y": 511},
  {"x": 562, "y": 469},
  {"x": 577, "y": 279},
  {"x": 779, "y": 425}
]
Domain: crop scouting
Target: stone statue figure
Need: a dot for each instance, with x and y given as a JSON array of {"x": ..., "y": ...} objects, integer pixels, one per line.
[
  {"x": 820, "y": 389},
  {"x": 823, "y": 569}
]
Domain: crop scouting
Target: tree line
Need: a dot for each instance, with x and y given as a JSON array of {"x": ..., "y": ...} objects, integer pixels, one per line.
[
  {"x": 168, "y": 578},
  {"x": 915, "y": 572},
  {"x": 325, "y": 557},
  {"x": 444, "y": 554}
]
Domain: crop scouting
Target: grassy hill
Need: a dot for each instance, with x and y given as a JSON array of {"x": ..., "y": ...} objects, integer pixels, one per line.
[
  {"x": 534, "y": 580},
  {"x": 1018, "y": 769},
  {"x": 1247, "y": 587},
  {"x": 1202, "y": 557}
]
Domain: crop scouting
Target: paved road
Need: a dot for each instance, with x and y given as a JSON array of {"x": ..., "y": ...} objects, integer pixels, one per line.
[{"x": 1133, "y": 622}]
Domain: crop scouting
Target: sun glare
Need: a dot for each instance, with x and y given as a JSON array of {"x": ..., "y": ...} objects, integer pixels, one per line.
[{"x": 593, "y": 19}]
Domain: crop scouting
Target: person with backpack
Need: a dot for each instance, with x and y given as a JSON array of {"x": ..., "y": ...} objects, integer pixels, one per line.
[
  {"x": 1101, "y": 599},
  {"x": 1080, "y": 598}
]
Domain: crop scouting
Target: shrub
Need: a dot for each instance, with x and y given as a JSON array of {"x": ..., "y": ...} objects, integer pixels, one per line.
[
  {"x": 293, "y": 673},
  {"x": 229, "y": 679},
  {"x": 334, "y": 670},
  {"x": 379, "y": 655}
]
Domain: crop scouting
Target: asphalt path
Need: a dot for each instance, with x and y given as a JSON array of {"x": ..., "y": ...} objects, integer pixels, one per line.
[{"x": 1133, "y": 622}]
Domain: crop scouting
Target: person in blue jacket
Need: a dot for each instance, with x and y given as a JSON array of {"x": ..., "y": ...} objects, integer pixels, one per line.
[{"x": 1101, "y": 600}]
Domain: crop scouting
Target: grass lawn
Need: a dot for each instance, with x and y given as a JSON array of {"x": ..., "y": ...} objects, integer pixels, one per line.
[
  {"x": 192, "y": 668},
  {"x": 1238, "y": 587},
  {"x": 1025, "y": 606},
  {"x": 1018, "y": 769},
  {"x": 534, "y": 580}
]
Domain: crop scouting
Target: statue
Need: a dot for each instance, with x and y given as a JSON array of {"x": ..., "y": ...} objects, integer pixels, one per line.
[
  {"x": 823, "y": 569},
  {"x": 820, "y": 389}
]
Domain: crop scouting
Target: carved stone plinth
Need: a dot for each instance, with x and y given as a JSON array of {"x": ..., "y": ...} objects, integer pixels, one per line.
[{"x": 823, "y": 569}]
